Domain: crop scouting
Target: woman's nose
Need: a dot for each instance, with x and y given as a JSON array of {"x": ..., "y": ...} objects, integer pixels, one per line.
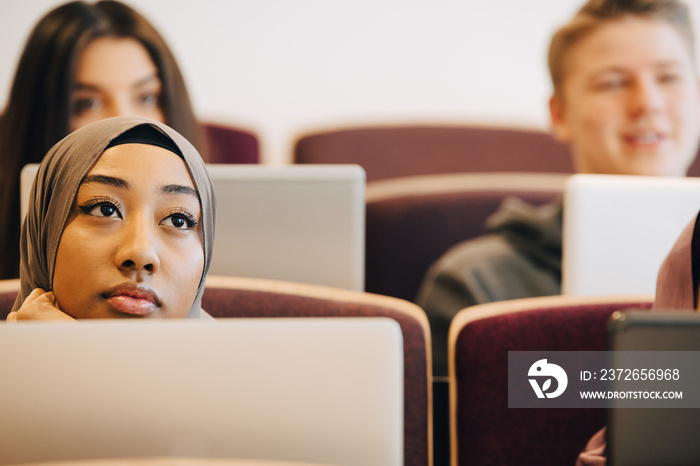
[{"x": 138, "y": 251}]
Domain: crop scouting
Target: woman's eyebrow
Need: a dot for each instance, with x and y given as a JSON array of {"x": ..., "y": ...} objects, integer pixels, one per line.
[
  {"x": 104, "y": 179},
  {"x": 96, "y": 88},
  {"x": 179, "y": 189}
]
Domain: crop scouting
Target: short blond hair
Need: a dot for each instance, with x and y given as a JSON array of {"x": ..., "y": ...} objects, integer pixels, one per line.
[{"x": 595, "y": 13}]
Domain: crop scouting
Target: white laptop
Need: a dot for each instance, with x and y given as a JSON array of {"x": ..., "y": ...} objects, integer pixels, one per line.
[
  {"x": 325, "y": 390},
  {"x": 619, "y": 229},
  {"x": 301, "y": 223}
]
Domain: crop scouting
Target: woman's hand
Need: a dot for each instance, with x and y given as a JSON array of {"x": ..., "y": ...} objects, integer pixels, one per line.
[{"x": 39, "y": 305}]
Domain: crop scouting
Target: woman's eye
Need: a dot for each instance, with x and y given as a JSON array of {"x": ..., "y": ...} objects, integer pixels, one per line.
[
  {"x": 180, "y": 221},
  {"x": 101, "y": 209},
  {"x": 85, "y": 104},
  {"x": 149, "y": 99}
]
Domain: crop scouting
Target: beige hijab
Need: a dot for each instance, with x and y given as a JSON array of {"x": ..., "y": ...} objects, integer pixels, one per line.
[
  {"x": 56, "y": 185},
  {"x": 677, "y": 282}
]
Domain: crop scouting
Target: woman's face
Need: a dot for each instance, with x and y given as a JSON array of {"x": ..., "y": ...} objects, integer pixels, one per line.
[
  {"x": 115, "y": 77},
  {"x": 132, "y": 245}
]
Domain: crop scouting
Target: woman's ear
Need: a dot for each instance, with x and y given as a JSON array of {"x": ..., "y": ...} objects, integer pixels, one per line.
[{"x": 560, "y": 125}]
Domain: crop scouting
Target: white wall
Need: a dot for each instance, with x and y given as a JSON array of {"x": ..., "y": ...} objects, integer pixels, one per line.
[{"x": 282, "y": 67}]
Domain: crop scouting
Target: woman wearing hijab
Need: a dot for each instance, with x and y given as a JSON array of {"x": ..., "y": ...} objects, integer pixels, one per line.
[
  {"x": 120, "y": 224},
  {"x": 83, "y": 62},
  {"x": 676, "y": 289}
]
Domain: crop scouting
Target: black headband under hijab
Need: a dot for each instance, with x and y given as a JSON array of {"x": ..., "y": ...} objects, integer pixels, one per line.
[{"x": 145, "y": 134}]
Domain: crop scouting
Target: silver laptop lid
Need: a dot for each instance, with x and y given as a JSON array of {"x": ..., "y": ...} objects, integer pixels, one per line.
[
  {"x": 302, "y": 223},
  {"x": 618, "y": 230},
  {"x": 327, "y": 390}
]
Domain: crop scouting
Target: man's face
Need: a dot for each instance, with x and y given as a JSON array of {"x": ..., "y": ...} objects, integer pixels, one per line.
[{"x": 629, "y": 101}]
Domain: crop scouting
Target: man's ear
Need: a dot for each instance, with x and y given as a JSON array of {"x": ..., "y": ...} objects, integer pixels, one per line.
[{"x": 560, "y": 125}]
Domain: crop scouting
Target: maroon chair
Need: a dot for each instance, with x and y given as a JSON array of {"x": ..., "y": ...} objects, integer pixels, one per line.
[
  {"x": 396, "y": 151},
  {"x": 231, "y": 145},
  {"x": 411, "y": 222},
  {"x": 8, "y": 293},
  {"x": 484, "y": 431},
  {"x": 227, "y": 144}
]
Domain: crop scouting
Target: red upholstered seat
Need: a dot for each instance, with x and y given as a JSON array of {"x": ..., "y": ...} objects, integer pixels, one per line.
[
  {"x": 412, "y": 221},
  {"x": 408, "y": 150},
  {"x": 231, "y": 145},
  {"x": 395, "y": 151},
  {"x": 8, "y": 293},
  {"x": 484, "y": 431},
  {"x": 227, "y": 144}
]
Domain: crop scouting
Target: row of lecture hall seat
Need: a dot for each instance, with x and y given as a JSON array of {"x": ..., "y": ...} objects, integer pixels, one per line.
[
  {"x": 429, "y": 187},
  {"x": 484, "y": 431}
]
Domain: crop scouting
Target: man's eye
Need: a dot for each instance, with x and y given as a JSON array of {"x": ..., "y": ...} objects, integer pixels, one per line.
[
  {"x": 667, "y": 78},
  {"x": 610, "y": 84}
]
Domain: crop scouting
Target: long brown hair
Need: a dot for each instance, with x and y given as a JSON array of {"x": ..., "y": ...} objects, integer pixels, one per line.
[{"x": 39, "y": 107}]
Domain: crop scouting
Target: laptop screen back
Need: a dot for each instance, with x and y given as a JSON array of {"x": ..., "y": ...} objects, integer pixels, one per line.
[
  {"x": 618, "y": 230},
  {"x": 327, "y": 390}
]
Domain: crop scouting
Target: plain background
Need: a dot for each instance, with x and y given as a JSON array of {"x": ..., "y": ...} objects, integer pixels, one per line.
[{"x": 281, "y": 68}]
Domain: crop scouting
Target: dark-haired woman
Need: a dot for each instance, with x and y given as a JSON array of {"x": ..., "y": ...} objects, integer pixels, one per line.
[{"x": 83, "y": 62}]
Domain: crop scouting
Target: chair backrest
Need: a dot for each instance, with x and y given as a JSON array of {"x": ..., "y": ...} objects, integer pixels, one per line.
[
  {"x": 412, "y": 221},
  {"x": 395, "y": 151},
  {"x": 484, "y": 431},
  {"x": 246, "y": 297},
  {"x": 8, "y": 293},
  {"x": 404, "y": 150},
  {"x": 226, "y": 144}
]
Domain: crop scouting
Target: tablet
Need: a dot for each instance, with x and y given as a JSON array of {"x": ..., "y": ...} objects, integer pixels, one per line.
[{"x": 655, "y": 435}]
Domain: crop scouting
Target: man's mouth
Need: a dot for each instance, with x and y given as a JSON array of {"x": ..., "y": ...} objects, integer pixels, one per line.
[{"x": 645, "y": 138}]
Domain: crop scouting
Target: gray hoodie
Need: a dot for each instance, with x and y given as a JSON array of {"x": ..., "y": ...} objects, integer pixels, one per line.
[{"x": 519, "y": 257}]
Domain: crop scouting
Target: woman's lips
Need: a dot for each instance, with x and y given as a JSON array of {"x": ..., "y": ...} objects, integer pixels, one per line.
[{"x": 132, "y": 299}]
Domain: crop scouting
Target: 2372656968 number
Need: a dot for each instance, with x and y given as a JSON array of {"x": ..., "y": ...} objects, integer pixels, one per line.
[{"x": 640, "y": 374}]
